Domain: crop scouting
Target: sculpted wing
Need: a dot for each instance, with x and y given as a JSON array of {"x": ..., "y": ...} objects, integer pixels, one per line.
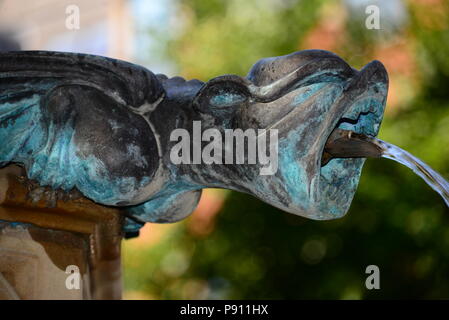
[{"x": 74, "y": 120}]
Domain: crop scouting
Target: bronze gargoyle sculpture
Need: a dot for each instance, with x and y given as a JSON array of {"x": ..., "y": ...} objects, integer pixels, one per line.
[{"x": 106, "y": 128}]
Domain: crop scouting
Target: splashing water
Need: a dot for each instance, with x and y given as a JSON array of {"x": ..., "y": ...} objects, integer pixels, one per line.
[{"x": 430, "y": 176}]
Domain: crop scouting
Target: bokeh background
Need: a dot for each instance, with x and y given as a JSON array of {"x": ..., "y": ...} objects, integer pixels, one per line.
[{"x": 234, "y": 246}]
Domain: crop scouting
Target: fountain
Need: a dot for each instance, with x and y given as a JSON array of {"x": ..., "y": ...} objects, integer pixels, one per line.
[{"x": 95, "y": 147}]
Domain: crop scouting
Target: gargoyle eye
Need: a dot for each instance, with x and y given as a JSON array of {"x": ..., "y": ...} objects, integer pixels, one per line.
[
  {"x": 227, "y": 99},
  {"x": 222, "y": 92}
]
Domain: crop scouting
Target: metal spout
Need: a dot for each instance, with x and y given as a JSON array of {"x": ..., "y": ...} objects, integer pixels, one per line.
[{"x": 349, "y": 144}]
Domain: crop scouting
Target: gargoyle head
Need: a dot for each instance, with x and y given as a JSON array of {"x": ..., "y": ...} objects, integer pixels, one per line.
[{"x": 304, "y": 96}]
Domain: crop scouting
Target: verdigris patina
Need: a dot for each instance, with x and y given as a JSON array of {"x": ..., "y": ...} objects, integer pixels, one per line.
[{"x": 103, "y": 127}]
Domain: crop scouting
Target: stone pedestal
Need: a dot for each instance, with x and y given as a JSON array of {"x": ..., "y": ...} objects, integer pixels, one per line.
[{"x": 59, "y": 246}]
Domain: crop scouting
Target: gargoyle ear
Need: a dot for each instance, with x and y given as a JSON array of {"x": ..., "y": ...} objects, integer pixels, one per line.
[{"x": 222, "y": 94}]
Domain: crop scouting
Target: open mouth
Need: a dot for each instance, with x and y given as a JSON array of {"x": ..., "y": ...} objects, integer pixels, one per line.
[
  {"x": 365, "y": 102},
  {"x": 359, "y": 110}
]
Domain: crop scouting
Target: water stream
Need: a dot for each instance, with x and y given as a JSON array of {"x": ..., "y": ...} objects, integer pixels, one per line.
[{"x": 430, "y": 176}]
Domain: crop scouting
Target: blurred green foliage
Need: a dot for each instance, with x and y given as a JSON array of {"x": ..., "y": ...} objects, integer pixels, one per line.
[{"x": 396, "y": 221}]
